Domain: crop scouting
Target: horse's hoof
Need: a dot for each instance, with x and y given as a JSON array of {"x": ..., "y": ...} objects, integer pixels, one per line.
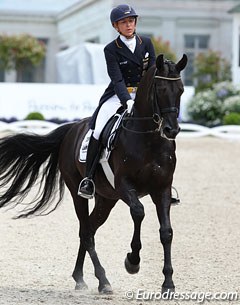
[
  {"x": 106, "y": 289},
  {"x": 167, "y": 291},
  {"x": 81, "y": 286},
  {"x": 132, "y": 269}
]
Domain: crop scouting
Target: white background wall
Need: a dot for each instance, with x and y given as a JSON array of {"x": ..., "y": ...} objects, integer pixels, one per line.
[
  {"x": 58, "y": 100},
  {"x": 235, "y": 49}
]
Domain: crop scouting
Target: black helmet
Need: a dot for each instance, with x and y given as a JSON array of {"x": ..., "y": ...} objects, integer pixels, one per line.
[{"x": 122, "y": 11}]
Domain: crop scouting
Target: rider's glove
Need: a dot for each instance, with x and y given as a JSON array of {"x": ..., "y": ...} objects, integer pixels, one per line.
[{"x": 129, "y": 105}]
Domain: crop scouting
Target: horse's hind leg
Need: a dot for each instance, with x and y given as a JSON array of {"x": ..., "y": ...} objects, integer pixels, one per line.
[
  {"x": 78, "y": 270},
  {"x": 81, "y": 206},
  {"x": 88, "y": 228},
  {"x": 98, "y": 216},
  {"x": 87, "y": 244}
]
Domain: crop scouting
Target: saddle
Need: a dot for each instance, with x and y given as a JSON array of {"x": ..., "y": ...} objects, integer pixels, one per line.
[
  {"x": 108, "y": 140},
  {"x": 110, "y": 132}
]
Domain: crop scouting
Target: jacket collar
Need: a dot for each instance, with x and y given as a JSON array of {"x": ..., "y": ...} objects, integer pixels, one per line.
[{"x": 123, "y": 49}]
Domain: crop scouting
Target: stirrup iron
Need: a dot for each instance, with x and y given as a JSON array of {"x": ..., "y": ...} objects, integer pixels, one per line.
[
  {"x": 175, "y": 200},
  {"x": 86, "y": 196}
]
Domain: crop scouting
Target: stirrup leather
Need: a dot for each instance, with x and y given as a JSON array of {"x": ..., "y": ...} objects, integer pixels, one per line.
[{"x": 84, "y": 195}]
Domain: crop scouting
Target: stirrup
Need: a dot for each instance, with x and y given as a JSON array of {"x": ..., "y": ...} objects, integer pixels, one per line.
[
  {"x": 86, "y": 196},
  {"x": 175, "y": 200}
]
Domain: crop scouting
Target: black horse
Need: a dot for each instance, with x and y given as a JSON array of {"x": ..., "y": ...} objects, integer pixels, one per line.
[{"x": 143, "y": 162}]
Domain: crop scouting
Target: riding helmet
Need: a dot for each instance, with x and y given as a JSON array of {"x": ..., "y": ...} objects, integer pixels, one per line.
[{"x": 122, "y": 11}]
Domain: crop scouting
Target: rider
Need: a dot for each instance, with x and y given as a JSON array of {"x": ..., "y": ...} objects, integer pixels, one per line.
[{"x": 127, "y": 57}]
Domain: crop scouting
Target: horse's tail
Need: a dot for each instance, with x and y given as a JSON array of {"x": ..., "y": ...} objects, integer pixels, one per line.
[{"x": 23, "y": 157}]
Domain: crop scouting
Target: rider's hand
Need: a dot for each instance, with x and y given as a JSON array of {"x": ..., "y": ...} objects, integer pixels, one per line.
[{"x": 129, "y": 105}]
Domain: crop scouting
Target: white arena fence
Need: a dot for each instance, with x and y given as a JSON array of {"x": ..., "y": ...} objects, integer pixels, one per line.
[
  {"x": 231, "y": 132},
  {"x": 28, "y": 126}
]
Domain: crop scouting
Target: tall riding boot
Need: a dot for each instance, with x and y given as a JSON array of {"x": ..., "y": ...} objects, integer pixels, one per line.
[{"x": 87, "y": 187}]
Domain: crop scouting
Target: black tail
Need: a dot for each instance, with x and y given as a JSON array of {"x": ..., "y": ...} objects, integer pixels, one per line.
[{"x": 23, "y": 158}]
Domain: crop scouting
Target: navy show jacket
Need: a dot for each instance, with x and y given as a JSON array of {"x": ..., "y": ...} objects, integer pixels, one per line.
[{"x": 125, "y": 68}]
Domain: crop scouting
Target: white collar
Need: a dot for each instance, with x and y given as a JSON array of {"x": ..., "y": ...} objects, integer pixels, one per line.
[
  {"x": 124, "y": 39},
  {"x": 130, "y": 43}
]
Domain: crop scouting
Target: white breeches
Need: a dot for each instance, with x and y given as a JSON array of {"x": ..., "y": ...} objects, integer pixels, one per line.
[{"x": 107, "y": 110}]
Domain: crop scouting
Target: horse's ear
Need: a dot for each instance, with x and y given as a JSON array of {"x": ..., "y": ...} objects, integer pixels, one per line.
[
  {"x": 160, "y": 62},
  {"x": 182, "y": 63}
]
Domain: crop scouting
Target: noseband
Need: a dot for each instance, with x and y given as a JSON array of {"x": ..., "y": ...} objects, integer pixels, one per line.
[{"x": 157, "y": 112}]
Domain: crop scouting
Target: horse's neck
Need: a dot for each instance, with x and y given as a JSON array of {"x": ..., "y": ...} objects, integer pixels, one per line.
[{"x": 143, "y": 107}]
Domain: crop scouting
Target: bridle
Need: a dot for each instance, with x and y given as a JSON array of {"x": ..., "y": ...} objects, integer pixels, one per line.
[{"x": 157, "y": 112}]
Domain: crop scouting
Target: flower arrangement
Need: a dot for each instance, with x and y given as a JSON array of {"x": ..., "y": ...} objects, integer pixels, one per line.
[
  {"x": 19, "y": 51},
  {"x": 209, "y": 107}
]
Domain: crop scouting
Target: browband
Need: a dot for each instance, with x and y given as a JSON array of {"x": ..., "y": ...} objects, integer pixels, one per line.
[{"x": 167, "y": 78}]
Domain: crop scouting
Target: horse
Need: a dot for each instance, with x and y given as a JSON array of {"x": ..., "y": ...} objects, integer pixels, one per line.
[{"x": 143, "y": 162}]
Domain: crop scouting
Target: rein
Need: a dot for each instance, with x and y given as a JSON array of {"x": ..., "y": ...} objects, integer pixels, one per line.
[
  {"x": 156, "y": 118},
  {"x": 142, "y": 119}
]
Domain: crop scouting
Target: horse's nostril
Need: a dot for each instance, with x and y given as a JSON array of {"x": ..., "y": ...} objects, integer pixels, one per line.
[
  {"x": 171, "y": 133},
  {"x": 168, "y": 129}
]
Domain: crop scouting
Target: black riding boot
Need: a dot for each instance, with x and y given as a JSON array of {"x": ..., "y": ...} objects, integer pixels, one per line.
[{"x": 87, "y": 187}]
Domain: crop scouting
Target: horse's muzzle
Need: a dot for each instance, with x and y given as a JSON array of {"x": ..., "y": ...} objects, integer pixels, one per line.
[{"x": 170, "y": 132}]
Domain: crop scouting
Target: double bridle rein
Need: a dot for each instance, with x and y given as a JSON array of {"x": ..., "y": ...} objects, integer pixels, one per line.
[{"x": 156, "y": 118}]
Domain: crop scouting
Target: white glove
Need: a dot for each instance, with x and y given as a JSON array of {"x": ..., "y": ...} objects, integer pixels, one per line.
[{"x": 129, "y": 105}]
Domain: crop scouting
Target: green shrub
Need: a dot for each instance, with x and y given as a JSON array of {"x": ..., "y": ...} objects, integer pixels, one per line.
[
  {"x": 211, "y": 68},
  {"x": 35, "y": 116},
  {"x": 233, "y": 118},
  {"x": 163, "y": 47}
]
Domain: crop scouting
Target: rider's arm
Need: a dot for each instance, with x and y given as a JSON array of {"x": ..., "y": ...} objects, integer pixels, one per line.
[{"x": 116, "y": 77}]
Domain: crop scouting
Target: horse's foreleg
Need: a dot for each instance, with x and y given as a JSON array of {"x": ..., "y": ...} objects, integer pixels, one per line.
[
  {"x": 166, "y": 235},
  {"x": 132, "y": 261}
]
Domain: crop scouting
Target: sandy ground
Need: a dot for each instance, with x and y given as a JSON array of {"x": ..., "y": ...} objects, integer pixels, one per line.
[{"x": 37, "y": 255}]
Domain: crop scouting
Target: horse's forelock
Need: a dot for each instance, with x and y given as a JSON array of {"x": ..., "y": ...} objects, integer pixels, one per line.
[{"x": 170, "y": 69}]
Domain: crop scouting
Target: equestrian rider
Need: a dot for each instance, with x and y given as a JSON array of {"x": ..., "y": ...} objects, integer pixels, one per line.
[{"x": 127, "y": 57}]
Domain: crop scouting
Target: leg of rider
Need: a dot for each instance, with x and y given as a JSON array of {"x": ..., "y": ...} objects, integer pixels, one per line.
[
  {"x": 86, "y": 185},
  {"x": 107, "y": 110}
]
